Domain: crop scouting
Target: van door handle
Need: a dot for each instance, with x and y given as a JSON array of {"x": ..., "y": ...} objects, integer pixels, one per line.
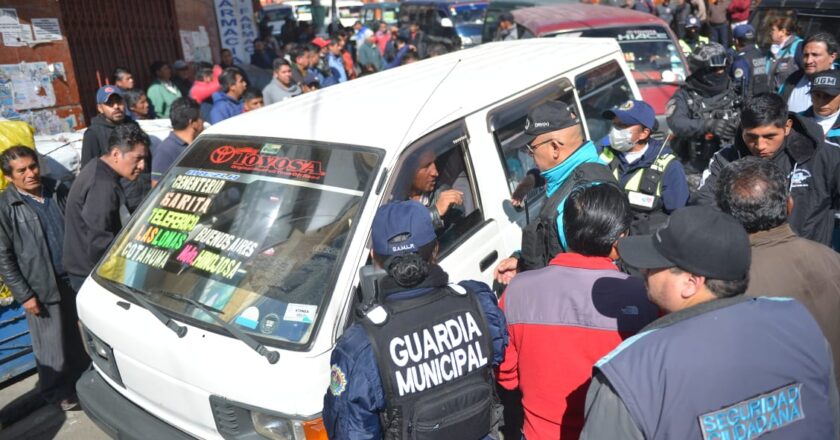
[{"x": 488, "y": 260}]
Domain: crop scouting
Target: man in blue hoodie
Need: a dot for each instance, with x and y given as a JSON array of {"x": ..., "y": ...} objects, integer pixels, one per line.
[
  {"x": 226, "y": 103},
  {"x": 555, "y": 139}
]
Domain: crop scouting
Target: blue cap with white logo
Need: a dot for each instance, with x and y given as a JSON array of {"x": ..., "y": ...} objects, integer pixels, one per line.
[
  {"x": 633, "y": 112},
  {"x": 402, "y": 228},
  {"x": 743, "y": 31}
]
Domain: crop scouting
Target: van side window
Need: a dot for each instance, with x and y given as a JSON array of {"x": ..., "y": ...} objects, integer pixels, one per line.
[
  {"x": 600, "y": 89},
  {"x": 434, "y": 170},
  {"x": 508, "y": 126}
]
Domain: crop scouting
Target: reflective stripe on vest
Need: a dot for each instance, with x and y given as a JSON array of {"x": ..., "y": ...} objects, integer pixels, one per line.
[{"x": 660, "y": 164}]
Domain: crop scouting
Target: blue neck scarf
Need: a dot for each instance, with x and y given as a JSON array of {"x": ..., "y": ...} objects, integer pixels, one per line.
[{"x": 555, "y": 177}]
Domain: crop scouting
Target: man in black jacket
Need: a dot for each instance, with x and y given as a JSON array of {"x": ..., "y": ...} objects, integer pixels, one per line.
[
  {"x": 796, "y": 145},
  {"x": 31, "y": 238},
  {"x": 96, "y": 206},
  {"x": 111, "y": 106}
]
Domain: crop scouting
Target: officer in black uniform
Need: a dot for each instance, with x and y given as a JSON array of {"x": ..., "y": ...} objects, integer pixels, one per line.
[
  {"x": 645, "y": 168},
  {"x": 419, "y": 362},
  {"x": 704, "y": 112},
  {"x": 749, "y": 66}
]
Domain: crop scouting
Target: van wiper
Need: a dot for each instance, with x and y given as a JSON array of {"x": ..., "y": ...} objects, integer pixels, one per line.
[
  {"x": 138, "y": 296},
  {"x": 213, "y": 313}
]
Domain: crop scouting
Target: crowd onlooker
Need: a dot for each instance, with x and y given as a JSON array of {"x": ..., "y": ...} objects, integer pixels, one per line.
[
  {"x": 163, "y": 91},
  {"x": 226, "y": 101}
]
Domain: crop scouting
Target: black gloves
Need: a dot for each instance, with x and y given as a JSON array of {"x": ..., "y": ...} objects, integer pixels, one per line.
[{"x": 722, "y": 128}]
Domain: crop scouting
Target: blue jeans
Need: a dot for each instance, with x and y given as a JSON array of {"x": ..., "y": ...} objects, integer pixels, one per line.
[{"x": 719, "y": 33}]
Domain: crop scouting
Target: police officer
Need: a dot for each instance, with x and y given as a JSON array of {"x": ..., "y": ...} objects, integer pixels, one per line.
[
  {"x": 692, "y": 38},
  {"x": 653, "y": 180},
  {"x": 719, "y": 364},
  {"x": 420, "y": 362},
  {"x": 565, "y": 160},
  {"x": 703, "y": 113},
  {"x": 825, "y": 100},
  {"x": 748, "y": 70}
]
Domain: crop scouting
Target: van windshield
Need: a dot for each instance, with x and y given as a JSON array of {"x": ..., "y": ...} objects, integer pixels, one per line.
[
  {"x": 257, "y": 231},
  {"x": 279, "y": 14},
  {"x": 648, "y": 50}
]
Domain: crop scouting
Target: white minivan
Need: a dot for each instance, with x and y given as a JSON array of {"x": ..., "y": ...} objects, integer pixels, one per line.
[{"x": 214, "y": 312}]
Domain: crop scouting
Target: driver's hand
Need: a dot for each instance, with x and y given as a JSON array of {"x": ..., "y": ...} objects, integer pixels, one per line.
[{"x": 448, "y": 198}]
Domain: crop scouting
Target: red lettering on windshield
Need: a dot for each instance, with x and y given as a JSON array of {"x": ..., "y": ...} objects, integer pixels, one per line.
[{"x": 250, "y": 159}]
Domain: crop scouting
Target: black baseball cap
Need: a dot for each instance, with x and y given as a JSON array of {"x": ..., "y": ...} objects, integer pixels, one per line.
[
  {"x": 698, "y": 239},
  {"x": 547, "y": 117},
  {"x": 827, "y": 82}
]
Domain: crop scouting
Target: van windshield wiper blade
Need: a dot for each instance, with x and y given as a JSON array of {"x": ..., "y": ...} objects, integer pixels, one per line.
[
  {"x": 138, "y": 296},
  {"x": 213, "y": 313}
]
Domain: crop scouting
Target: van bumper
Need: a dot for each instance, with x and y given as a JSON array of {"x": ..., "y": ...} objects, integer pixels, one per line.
[{"x": 118, "y": 416}]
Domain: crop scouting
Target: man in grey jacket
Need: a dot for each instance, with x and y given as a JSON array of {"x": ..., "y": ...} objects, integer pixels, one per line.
[
  {"x": 718, "y": 364},
  {"x": 31, "y": 239},
  {"x": 281, "y": 86}
]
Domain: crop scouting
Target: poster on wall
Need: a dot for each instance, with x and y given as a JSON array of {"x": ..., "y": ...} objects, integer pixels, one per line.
[
  {"x": 237, "y": 29},
  {"x": 9, "y": 25},
  {"x": 30, "y": 84}
]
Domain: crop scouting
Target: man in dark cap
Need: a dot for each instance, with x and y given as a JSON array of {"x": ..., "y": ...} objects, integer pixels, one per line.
[
  {"x": 654, "y": 182},
  {"x": 719, "y": 364},
  {"x": 554, "y": 138},
  {"x": 825, "y": 100},
  {"x": 748, "y": 69}
]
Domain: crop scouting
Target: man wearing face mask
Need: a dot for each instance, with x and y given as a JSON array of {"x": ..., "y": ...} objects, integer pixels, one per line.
[
  {"x": 703, "y": 113},
  {"x": 645, "y": 168}
]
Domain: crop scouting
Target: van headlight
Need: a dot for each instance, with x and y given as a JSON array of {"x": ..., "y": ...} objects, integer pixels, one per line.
[
  {"x": 240, "y": 420},
  {"x": 282, "y": 428},
  {"x": 466, "y": 41}
]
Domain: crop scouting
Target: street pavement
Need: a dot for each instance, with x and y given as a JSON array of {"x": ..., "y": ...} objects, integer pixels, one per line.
[{"x": 42, "y": 422}]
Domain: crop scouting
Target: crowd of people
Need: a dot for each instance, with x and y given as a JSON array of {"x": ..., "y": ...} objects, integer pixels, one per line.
[{"x": 641, "y": 305}]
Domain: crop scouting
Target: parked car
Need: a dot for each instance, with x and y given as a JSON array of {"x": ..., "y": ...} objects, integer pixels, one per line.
[
  {"x": 650, "y": 47},
  {"x": 277, "y": 14},
  {"x": 812, "y": 16},
  {"x": 349, "y": 11},
  {"x": 375, "y": 12},
  {"x": 214, "y": 312},
  {"x": 497, "y": 7},
  {"x": 455, "y": 24}
]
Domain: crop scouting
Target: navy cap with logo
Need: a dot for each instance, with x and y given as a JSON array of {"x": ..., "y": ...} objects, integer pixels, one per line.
[
  {"x": 692, "y": 22},
  {"x": 744, "y": 32},
  {"x": 401, "y": 228},
  {"x": 827, "y": 82},
  {"x": 697, "y": 239},
  {"x": 105, "y": 92},
  {"x": 633, "y": 112},
  {"x": 547, "y": 117}
]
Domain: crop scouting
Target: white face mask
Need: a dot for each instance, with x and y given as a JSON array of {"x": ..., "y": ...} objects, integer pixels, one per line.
[
  {"x": 620, "y": 139},
  {"x": 775, "y": 48}
]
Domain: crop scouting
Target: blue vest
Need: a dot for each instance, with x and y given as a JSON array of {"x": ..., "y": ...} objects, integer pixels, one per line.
[{"x": 731, "y": 369}]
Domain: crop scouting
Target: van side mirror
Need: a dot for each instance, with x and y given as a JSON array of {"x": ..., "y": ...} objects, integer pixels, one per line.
[
  {"x": 369, "y": 277},
  {"x": 446, "y": 22}
]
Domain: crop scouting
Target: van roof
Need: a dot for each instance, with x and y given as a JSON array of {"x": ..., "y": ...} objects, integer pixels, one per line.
[
  {"x": 390, "y": 109},
  {"x": 541, "y": 20}
]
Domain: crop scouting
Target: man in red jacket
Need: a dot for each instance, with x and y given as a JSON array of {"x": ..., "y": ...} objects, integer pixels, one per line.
[
  {"x": 739, "y": 12},
  {"x": 566, "y": 316}
]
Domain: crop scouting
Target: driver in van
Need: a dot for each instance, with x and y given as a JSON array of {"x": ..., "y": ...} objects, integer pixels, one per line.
[
  {"x": 419, "y": 363},
  {"x": 439, "y": 200}
]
